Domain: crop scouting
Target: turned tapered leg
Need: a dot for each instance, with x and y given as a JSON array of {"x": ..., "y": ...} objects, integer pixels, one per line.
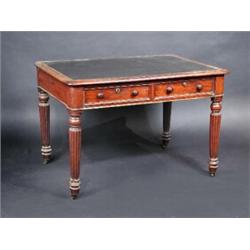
[
  {"x": 214, "y": 133},
  {"x": 75, "y": 136},
  {"x": 166, "y": 124},
  {"x": 45, "y": 125}
]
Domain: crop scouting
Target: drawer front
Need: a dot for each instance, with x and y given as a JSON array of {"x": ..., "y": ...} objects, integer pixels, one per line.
[
  {"x": 184, "y": 89},
  {"x": 116, "y": 95}
]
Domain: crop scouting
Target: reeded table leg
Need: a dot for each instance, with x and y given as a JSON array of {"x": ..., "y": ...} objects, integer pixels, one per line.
[
  {"x": 214, "y": 133},
  {"x": 44, "y": 112},
  {"x": 166, "y": 124},
  {"x": 75, "y": 137}
]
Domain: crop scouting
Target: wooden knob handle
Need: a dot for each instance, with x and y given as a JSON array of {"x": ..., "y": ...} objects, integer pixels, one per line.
[
  {"x": 199, "y": 87},
  {"x": 135, "y": 93},
  {"x": 117, "y": 90},
  {"x": 169, "y": 90},
  {"x": 100, "y": 95}
]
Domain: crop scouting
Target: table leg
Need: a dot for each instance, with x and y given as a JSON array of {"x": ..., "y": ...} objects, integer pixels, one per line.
[
  {"x": 44, "y": 112},
  {"x": 166, "y": 124},
  {"x": 75, "y": 137},
  {"x": 214, "y": 133}
]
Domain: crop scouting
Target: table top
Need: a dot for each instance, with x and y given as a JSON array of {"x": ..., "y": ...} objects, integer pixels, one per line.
[{"x": 126, "y": 69}]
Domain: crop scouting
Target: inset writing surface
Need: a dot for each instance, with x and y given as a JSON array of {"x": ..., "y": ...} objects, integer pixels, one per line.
[{"x": 126, "y": 67}]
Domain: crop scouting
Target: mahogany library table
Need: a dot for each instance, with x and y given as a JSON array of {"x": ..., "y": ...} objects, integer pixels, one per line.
[{"x": 105, "y": 83}]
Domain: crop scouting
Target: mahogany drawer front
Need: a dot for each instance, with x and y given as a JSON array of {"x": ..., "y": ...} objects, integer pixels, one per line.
[
  {"x": 116, "y": 95},
  {"x": 184, "y": 88}
]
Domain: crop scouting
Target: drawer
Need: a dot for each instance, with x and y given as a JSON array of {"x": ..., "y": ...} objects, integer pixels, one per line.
[
  {"x": 115, "y": 95},
  {"x": 185, "y": 88}
]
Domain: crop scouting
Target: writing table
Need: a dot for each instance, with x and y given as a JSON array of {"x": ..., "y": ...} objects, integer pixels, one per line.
[{"x": 104, "y": 83}]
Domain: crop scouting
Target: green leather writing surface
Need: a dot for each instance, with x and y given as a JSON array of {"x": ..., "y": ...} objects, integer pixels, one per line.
[{"x": 126, "y": 67}]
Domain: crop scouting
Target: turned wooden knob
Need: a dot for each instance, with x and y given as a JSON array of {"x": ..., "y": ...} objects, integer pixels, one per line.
[
  {"x": 117, "y": 90},
  {"x": 135, "y": 93},
  {"x": 169, "y": 90},
  {"x": 100, "y": 95},
  {"x": 199, "y": 87}
]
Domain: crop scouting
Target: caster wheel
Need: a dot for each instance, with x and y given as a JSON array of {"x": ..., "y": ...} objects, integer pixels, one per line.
[
  {"x": 74, "y": 194},
  {"x": 164, "y": 144},
  {"x": 212, "y": 174},
  {"x": 45, "y": 161}
]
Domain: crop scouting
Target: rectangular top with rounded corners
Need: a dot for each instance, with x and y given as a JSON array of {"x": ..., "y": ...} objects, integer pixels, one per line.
[{"x": 127, "y": 69}]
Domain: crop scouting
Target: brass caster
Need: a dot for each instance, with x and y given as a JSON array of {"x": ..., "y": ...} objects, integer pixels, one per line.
[
  {"x": 45, "y": 161},
  {"x": 74, "y": 194},
  {"x": 212, "y": 174},
  {"x": 164, "y": 145},
  {"x": 73, "y": 197}
]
